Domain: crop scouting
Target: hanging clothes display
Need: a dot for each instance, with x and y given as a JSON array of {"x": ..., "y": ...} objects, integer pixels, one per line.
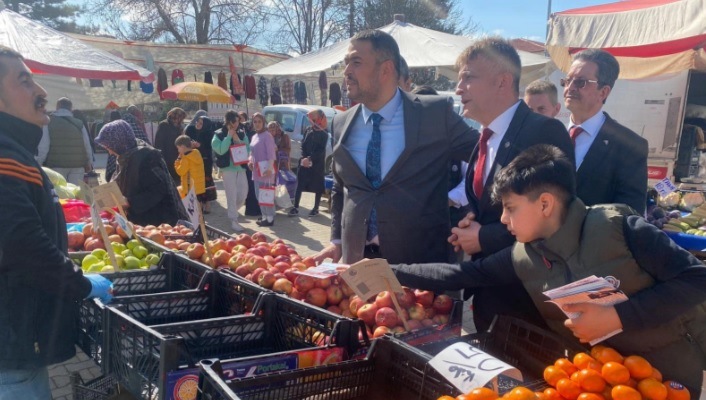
[
  {"x": 177, "y": 76},
  {"x": 222, "y": 81},
  {"x": 237, "y": 84},
  {"x": 288, "y": 91},
  {"x": 207, "y": 77},
  {"x": 323, "y": 87},
  {"x": 275, "y": 93},
  {"x": 250, "y": 87},
  {"x": 300, "y": 92},
  {"x": 335, "y": 94},
  {"x": 161, "y": 82},
  {"x": 262, "y": 91}
]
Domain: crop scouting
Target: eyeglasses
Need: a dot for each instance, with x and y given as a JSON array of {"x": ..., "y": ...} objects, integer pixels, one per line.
[{"x": 579, "y": 83}]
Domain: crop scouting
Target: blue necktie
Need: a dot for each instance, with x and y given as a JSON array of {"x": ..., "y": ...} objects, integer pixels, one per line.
[{"x": 373, "y": 171}]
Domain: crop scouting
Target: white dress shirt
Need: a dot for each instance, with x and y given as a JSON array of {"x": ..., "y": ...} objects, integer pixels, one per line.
[
  {"x": 590, "y": 127},
  {"x": 499, "y": 127}
]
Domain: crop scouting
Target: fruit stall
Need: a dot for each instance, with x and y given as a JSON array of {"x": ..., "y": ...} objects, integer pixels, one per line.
[{"x": 682, "y": 216}]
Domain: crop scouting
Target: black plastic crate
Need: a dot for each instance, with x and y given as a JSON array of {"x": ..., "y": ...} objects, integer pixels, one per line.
[
  {"x": 196, "y": 236},
  {"x": 102, "y": 388},
  {"x": 393, "y": 369},
  {"x": 142, "y": 356},
  {"x": 172, "y": 274}
]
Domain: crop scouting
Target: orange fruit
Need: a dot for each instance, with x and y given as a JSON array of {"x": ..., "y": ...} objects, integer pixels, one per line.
[
  {"x": 566, "y": 365},
  {"x": 446, "y": 398},
  {"x": 552, "y": 394},
  {"x": 656, "y": 374},
  {"x": 552, "y": 374},
  {"x": 595, "y": 350},
  {"x": 676, "y": 391},
  {"x": 622, "y": 392},
  {"x": 481, "y": 393},
  {"x": 463, "y": 397},
  {"x": 632, "y": 383},
  {"x": 639, "y": 367},
  {"x": 615, "y": 373},
  {"x": 581, "y": 360},
  {"x": 521, "y": 393},
  {"x": 652, "y": 389},
  {"x": 575, "y": 376},
  {"x": 591, "y": 381},
  {"x": 606, "y": 392},
  {"x": 590, "y": 396},
  {"x": 568, "y": 389},
  {"x": 594, "y": 365},
  {"x": 605, "y": 354}
]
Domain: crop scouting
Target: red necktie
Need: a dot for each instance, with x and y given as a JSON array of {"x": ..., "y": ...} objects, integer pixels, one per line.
[
  {"x": 574, "y": 132},
  {"x": 480, "y": 165}
]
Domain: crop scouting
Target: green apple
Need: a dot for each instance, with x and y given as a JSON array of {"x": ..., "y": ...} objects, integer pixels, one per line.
[
  {"x": 132, "y": 262},
  {"x": 132, "y": 243},
  {"x": 108, "y": 269},
  {"x": 88, "y": 261},
  {"x": 97, "y": 267},
  {"x": 152, "y": 259},
  {"x": 120, "y": 260},
  {"x": 118, "y": 247},
  {"x": 143, "y": 263},
  {"x": 100, "y": 253},
  {"x": 126, "y": 253},
  {"x": 140, "y": 251}
]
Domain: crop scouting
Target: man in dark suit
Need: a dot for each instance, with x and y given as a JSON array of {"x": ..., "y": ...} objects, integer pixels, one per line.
[
  {"x": 489, "y": 76},
  {"x": 390, "y": 162},
  {"x": 611, "y": 160}
]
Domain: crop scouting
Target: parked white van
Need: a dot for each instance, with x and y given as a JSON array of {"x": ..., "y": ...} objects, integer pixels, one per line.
[{"x": 293, "y": 119}]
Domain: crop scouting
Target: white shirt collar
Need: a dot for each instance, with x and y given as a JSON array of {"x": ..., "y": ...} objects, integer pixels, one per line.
[
  {"x": 592, "y": 125},
  {"x": 502, "y": 122}
]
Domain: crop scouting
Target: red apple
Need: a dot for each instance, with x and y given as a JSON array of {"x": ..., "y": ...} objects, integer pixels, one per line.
[
  {"x": 266, "y": 279},
  {"x": 334, "y": 309},
  {"x": 117, "y": 239},
  {"x": 295, "y": 294},
  {"x": 354, "y": 304},
  {"x": 386, "y": 316},
  {"x": 367, "y": 313},
  {"x": 279, "y": 250},
  {"x": 347, "y": 313},
  {"x": 183, "y": 245},
  {"x": 282, "y": 266},
  {"x": 316, "y": 296},
  {"x": 399, "y": 329},
  {"x": 239, "y": 248},
  {"x": 414, "y": 324},
  {"x": 282, "y": 259},
  {"x": 347, "y": 291},
  {"x": 407, "y": 299},
  {"x": 305, "y": 283},
  {"x": 88, "y": 230},
  {"x": 76, "y": 240},
  {"x": 259, "y": 237},
  {"x": 256, "y": 275},
  {"x": 323, "y": 283},
  {"x": 278, "y": 241},
  {"x": 244, "y": 239},
  {"x": 429, "y": 313},
  {"x": 242, "y": 271},
  {"x": 92, "y": 244},
  {"x": 441, "y": 319},
  {"x": 299, "y": 265},
  {"x": 156, "y": 236},
  {"x": 345, "y": 304},
  {"x": 218, "y": 244},
  {"x": 384, "y": 299},
  {"x": 109, "y": 229},
  {"x": 381, "y": 331},
  {"x": 334, "y": 295},
  {"x": 309, "y": 261},
  {"x": 234, "y": 263},
  {"x": 257, "y": 262},
  {"x": 291, "y": 274},
  {"x": 295, "y": 257},
  {"x": 427, "y": 322},
  {"x": 221, "y": 257},
  {"x": 195, "y": 251},
  {"x": 279, "y": 275},
  {"x": 230, "y": 244},
  {"x": 424, "y": 297},
  {"x": 416, "y": 312},
  {"x": 170, "y": 244},
  {"x": 443, "y": 304}
]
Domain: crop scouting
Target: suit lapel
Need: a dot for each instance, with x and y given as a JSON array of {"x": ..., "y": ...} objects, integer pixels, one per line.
[
  {"x": 598, "y": 151},
  {"x": 339, "y": 151},
  {"x": 412, "y": 120}
]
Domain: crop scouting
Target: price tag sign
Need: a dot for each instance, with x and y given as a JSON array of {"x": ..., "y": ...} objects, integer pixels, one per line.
[
  {"x": 665, "y": 187},
  {"x": 122, "y": 222},
  {"x": 367, "y": 278},
  {"x": 467, "y": 367},
  {"x": 87, "y": 193},
  {"x": 191, "y": 208}
]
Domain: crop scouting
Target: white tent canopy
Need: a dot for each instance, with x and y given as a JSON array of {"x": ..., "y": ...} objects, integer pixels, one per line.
[
  {"x": 648, "y": 37},
  {"x": 47, "y": 51},
  {"x": 420, "y": 47}
]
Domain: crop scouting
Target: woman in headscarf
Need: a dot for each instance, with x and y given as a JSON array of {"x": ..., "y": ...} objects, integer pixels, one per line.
[
  {"x": 142, "y": 177},
  {"x": 137, "y": 127},
  {"x": 201, "y": 132},
  {"x": 252, "y": 208},
  {"x": 263, "y": 154},
  {"x": 283, "y": 142},
  {"x": 167, "y": 132},
  {"x": 311, "y": 171}
]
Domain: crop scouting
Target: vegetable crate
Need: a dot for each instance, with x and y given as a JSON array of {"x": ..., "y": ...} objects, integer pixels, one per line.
[
  {"x": 147, "y": 359},
  {"x": 391, "y": 370},
  {"x": 172, "y": 274}
]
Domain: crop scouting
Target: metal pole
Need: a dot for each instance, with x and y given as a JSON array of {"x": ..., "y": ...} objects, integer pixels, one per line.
[
  {"x": 242, "y": 62},
  {"x": 549, "y": 15}
]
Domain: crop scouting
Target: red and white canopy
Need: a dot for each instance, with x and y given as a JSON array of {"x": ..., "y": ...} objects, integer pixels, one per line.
[
  {"x": 648, "y": 37},
  {"x": 47, "y": 51}
]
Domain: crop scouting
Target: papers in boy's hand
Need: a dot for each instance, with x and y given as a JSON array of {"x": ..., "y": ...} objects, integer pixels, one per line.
[{"x": 592, "y": 290}]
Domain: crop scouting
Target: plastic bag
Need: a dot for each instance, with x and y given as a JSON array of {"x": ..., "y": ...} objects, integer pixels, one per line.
[
  {"x": 55, "y": 178},
  {"x": 282, "y": 199}
]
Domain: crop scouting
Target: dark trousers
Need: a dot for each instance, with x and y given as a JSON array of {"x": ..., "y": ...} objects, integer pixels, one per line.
[{"x": 298, "y": 197}]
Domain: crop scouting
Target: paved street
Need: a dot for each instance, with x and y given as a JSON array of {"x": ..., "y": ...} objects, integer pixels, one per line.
[{"x": 307, "y": 235}]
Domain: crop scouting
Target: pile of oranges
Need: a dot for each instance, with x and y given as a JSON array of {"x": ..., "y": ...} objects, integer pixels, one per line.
[{"x": 604, "y": 374}]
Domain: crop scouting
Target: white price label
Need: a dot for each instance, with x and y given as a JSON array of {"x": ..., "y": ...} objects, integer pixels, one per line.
[
  {"x": 122, "y": 222},
  {"x": 467, "y": 367},
  {"x": 191, "y": 208},
  {"x": 665, "y": 187}
]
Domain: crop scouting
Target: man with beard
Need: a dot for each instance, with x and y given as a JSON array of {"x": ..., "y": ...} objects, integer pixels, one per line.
[
  {"x": 611, "y": 160},
  {"x": 40, "y": 288},
  {"x": 390, "y": 162}
]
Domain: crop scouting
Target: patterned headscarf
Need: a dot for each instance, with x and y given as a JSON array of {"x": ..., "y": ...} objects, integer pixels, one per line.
[
  {"x": 317, "y": 119},
  {"x": 117, "y": 136}
]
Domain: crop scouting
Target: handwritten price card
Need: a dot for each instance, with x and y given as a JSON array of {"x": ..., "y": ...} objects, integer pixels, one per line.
[
  {"x": 467, "y": 367},
  {"x": 367, "y": 278}
]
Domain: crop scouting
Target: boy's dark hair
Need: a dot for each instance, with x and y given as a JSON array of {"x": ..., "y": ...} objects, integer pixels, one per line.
[
  {"x": 541, "y": 168},
  {"x": 384, "y": 46},
  {"x": 183, "y": 140},
  {"x": 231, "y": 116}
]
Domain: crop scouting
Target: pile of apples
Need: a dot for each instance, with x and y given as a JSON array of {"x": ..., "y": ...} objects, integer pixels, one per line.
[
  {"x": 89, "y": 239},
  {"x": 602, "y": 374},
  {"x": 163, "y": 234}
]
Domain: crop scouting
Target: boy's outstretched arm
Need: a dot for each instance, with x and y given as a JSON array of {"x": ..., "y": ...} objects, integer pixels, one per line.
[
  {"x": 680, "y": 278},
  {"x": 496, "y": 269}
]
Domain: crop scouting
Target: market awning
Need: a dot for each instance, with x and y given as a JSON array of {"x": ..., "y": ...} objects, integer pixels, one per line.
[
  {"x": 47, "y": 51},
  {"x": 670, "y": 33}
]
